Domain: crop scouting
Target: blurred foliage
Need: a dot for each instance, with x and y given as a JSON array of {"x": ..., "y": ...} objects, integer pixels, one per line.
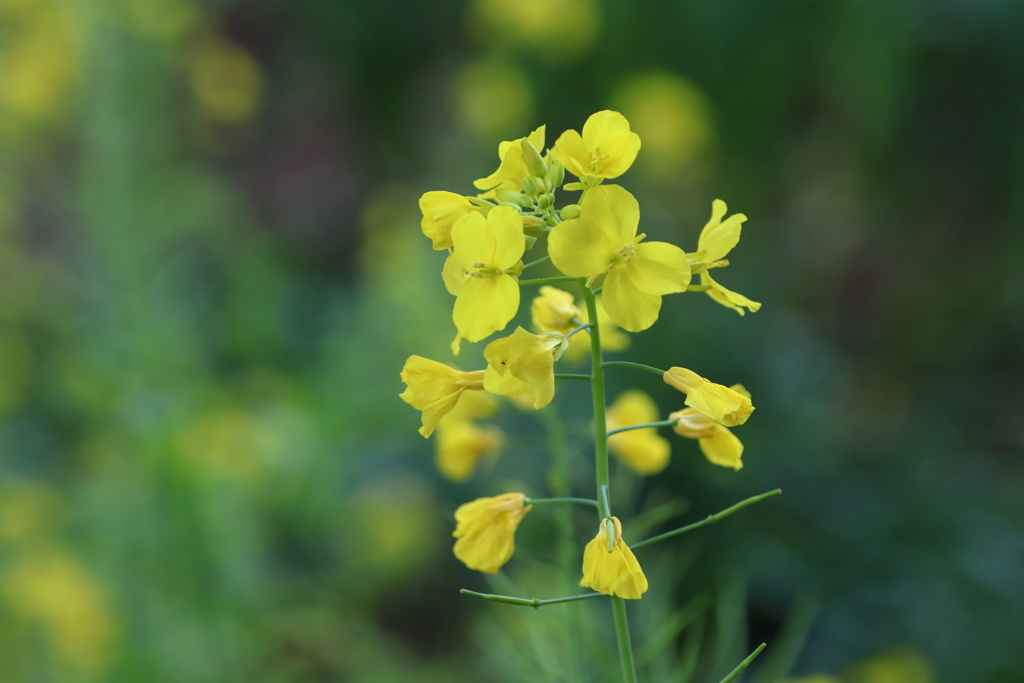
[{"x": 211, "y": 273}]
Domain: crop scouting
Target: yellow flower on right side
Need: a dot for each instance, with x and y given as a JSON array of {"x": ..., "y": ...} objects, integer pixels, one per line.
[
  {"x": 722, "y": 404},
  {"x": 716, "y": 240},
  {"x": 719, "y": 445}
]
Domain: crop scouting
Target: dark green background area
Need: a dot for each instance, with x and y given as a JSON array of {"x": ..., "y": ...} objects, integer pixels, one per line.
[{"x": 202, "y": 325}]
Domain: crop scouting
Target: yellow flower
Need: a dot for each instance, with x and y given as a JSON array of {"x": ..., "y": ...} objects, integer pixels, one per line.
[
  {"x": 719, "y": 445},
  {"x": 434, "y": 388},
  {"x": 523, "y": 363},
  {"x": 606, "y": 149},
  {"x": 612, "y": 573},
  {"x": 512, "y": 168},
  {"x": 722, "y": 404},
  {"x": 642, "y": 449},
  {"x": 554, "y": 310},
  {"x": 603, "y": 240},
  {"x": 486, "y": 530},
  {"x": 716, "y": 240},
  {"x": 460, "y": 446},
  {"x": 440, "y": 211},
  {"x": 488, "y": 250}
]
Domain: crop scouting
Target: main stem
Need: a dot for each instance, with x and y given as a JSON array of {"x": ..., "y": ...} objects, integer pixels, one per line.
[{"x": 601, "y": 469}]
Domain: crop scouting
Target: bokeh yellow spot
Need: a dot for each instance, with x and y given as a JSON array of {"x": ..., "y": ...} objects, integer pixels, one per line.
[
  {"x": 494, "y": 99},
  {"x": 225, "y": 80},
  {"x": 672, "y": 117},
  {"x": 556, "y": 30},
  {"x": 54, "y": 590}
]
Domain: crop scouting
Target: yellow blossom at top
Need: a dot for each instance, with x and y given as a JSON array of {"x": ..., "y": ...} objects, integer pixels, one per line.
[
  {"x": 460, "y": 446},
  {"x": 716, "y": 240},
  {"x": 485, "y": 529},
  {"x": 523, "y": 363},
  {"x": 512, "y": 168},
  {"x": 603, "y": 240},
  {"x": 614, "y": 572},
  {"x": 722, "y": 404},
  {"x": 440, "y": 211},
  {"x": 488, "y": 250},
  {"x": 719, "y": 445},
  {"x": 643, "y": 450},
  {"x": 434, "y": 389},
  {"x": 606, "y": 149}
]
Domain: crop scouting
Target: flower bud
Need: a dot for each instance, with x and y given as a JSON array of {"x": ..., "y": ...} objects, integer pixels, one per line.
[
  {"x": 570, "y": 211},
  {"x": 531, "y": 157}
]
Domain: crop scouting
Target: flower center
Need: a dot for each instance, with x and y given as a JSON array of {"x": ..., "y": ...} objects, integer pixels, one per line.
[
  {"x": 596, "y": 159},
  {"x": 622, "y": 255}
]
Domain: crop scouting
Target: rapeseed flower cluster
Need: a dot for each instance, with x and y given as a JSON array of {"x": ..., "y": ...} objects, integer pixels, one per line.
[{"x": 594, "y": 243}]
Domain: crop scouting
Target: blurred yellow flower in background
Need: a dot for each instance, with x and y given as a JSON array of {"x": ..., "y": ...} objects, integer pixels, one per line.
[
  {"x": 461, "y": 444},
  {"x": 485, "y": 529},
  {"x": 52, "y": 589},
  {"x": 643, "y": 450},
  {"x": 673, "y": 117},
  {"x": 493, "y": 97},
  {"x": 225, "y": 80},
  {"x": 555, "y": 30}
]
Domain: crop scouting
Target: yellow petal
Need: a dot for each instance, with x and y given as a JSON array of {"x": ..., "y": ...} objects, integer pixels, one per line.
[
  {"x": 727, "y": 297},
  {"x": 722, "y": 448},
  {"x": 440, "y": 211},
  {"x": 571, "y": 153},
  {"x": 509, "y": 242},
  {"x": 579, "y": 248},
  {"x": 628, "y": 307},
  {"x": 485, "y": 529},
  {"x": 474, "y": 241},
  {"x": 615, "y": 210},
  {"x": 659, "y": 268},
  {"x": 454, "y": 275},
  {"x": 485, "y": 305},
  {"x": 461, "y": 444},
  {"x": 721, "y": 404},
  {"x": 717, "y": 238},
  {"x": 612, "y": 573}
]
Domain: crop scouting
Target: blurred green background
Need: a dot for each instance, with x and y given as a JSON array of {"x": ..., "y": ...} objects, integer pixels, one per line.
[{"x": 211, "y": 273}]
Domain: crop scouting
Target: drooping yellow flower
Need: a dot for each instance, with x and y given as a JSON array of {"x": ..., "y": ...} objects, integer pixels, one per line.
[
  {"x": 716, "y": 240},
  {"x": 485, "y": 529},
  {"x": 434, "y": 389},
  {"x": 488, "y": 250},
  {"x": 440, "y": 212},
  {"x": 643, "y": 450},
  {"x": 612, "y": 573},
  {"x": 606, "y": 149},
  {"x": 523, "y": 363},
  {"x": 719, "y": 445},
  {"x": 461, "y": 444},
  {"x": 512, "y": 168},
  {"x": 722, "y": 404},
  {"x": 603, "y": 240},
  {"x": 554, "y": 310}
]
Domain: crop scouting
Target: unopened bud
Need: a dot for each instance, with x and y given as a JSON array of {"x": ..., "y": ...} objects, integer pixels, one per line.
[
  {"x": 570, "y": 211},
  {"x": 556, "y": 173},
  {"x": 512, "y": 197},
  {"x": 529, "y": 187},
  {"x": 531, "y": 157}
]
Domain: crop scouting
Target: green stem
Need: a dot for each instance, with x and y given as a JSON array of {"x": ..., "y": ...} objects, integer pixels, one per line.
[
  {"x": 602, "y": 476},
  {"x": 581, "y": 327},
  {"x": 542, "y": 259},
  {"x": 646, "y": 425},
  {"x": 545, "y": 501},
  {"x": 629, "y": 364},
  {"x": 711, "y": 519},
  {"x": 530, "y": 602},
  {"x": 558, "y": 481},
  {"x": 570, "y": 375},
  {"x": 743, "y": 665},
  {"x": 548, "y": 280}
]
